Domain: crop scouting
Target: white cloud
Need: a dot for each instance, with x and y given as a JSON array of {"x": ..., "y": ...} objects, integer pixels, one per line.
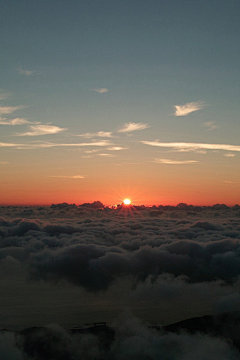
[
  {"x": 193, "y": 146},
  {"x": 183, "y": 110},
  {"x": 128, "y": 127},
  {"x": 101, "y": 90},
  {"x": 230, "y": 155},
  {"x": 210, "y": 125},
  {"x": 43, "y": 130},
  {"x": 10, "y": 109},
  {"x": 69, "y": 177},
  {"x": 98, "y": 134},
  {"x": 16, "y": 121},
  {"x": 25, "y": 72},
  {"x": 174, "y": 162},
  {"x": 49, "y": 145}
]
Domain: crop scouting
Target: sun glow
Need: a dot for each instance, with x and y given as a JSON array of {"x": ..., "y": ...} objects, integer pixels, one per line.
[{"x": 127, "y": 201}]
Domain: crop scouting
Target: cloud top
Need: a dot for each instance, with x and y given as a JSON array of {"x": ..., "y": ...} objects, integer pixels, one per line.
[{"x": 183, "y": 110}]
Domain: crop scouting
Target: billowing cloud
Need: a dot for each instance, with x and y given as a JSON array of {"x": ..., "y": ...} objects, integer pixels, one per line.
[
  {"x": 211, "y": 125},
  {"x": 129, "y": 127},
  {"x": 98, "y": 134},
  {"x": 25, "y": 72},
  {"x": 174, "y": 162},
  {"x": 183, "y": 110},
  {"x": 101, "y": 90},
  {"x": 37, "y": 130},
  {"x": 192, "y": 146},
  {"x": 128, "y": 338}
]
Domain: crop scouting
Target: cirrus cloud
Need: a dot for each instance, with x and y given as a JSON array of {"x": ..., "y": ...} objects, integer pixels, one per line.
[
  {"x": 174, "y": 162},
  {"x": 128, "y": 127},
  {"x": 193, "y": 146},
  {"x": 101, "y": 90},
  {"x": 98, "y": 134},
  {"x": 183, "y": 110},
  {"x": 37, "y": 130}
]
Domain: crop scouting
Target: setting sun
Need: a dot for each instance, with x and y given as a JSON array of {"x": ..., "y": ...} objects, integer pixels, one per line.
[{"x": 127, "y": 201}]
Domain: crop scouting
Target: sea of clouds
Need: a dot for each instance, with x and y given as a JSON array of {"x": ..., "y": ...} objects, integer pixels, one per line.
[{"x": 164, "y": 252}]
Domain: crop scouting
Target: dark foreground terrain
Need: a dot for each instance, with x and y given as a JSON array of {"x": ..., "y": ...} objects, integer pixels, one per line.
[{"x": 207, "y": 337}]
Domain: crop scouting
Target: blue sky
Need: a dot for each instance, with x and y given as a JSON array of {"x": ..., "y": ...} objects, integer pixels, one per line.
[{"x": 82, "y": 67}]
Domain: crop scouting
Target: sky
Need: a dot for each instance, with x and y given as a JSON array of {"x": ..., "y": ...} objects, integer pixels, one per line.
[{"x": 103, "y": 100}]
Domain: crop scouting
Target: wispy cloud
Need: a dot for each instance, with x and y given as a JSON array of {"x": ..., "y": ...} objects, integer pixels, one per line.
[
  {"x": 106, "y": 155},
  {"x": 37, "y": 130},
  {"x": 128, "y": 127},
  {"x": 10, "y": 109},
  {"x": 101, "y": 90},
  {"x": 98, "y": 134},
  {"x": 69, "y": 176},
  {"x": 210, "y": 125},
  {"x": 91, "y": 151},
  {"x": 230, "y": 155},
  {"x": 193, "y": 146},
  {"x": 49, "y": 145},
  {"x": 116, "y": 148},
  {"x": 183, "y": 110},
  {"x": 4, "y": 162},
  {"x": 25, "y": 72},
  {"x": 174, "y": 162},
  {"x": 16, "y": 121},
  {"x": 4, "y": 96}
]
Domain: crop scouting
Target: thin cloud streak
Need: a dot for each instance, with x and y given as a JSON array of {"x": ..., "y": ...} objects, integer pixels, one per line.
[
  {"x": 230, "y": 155},
  {"x": 193, "y": 146},
  {"x": 4, "y": 162},
  {"x": 101, "y": 90},
  {"x": 68, "y": 176},
  {"x": 183, "y": 110},
  {"x": 174, "y": 162},
  {"x": 13, "y": 122},
  {"x": 210, "y": 125},
  {"x": 49, "y": 145},
  {"x": 98, "y": 134},
  {"x": 25, "y": 72},
  {"x": 37, "y": 130},
  {"x": 4, "y": 96},
  {"x": 129, "y": 127},
  {"x": 116, "y": 148},
  {"x": 10, "y": 109}
]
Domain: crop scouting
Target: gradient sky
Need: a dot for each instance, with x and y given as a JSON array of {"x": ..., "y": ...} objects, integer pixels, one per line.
[{"x": 102, "y": 100}]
